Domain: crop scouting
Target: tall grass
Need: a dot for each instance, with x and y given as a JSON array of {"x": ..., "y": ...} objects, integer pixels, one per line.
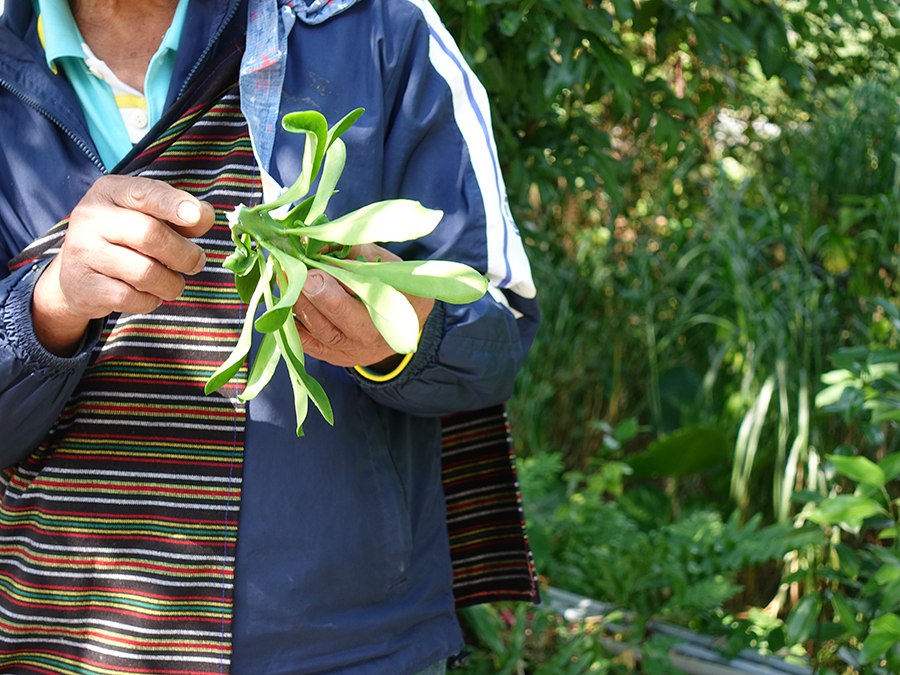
[{"x": 714, "y": 300}]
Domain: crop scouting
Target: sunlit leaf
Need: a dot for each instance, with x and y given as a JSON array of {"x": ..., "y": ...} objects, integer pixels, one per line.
[
  {"x": 234, "y": 362},
  {"x": 264, "y": 364},
  {"x": 439, "y": 279},
  {"x": 390, "y": 220},
  {"x": 859, "y": 469},
  {"x": 389, "y": 309}
]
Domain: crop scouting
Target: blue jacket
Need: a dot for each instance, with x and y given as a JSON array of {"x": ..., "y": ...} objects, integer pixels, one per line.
[{"x": 342, "y": 560}]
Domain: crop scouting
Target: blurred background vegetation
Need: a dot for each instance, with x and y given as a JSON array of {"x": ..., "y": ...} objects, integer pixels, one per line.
[{"x": 707, "y": 425}]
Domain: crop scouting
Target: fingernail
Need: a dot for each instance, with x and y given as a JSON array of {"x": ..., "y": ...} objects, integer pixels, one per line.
[
  {"x": 189, "y": 212},
  {"x": 200, "y": 264},
  {"x": 313, "y": 283}
]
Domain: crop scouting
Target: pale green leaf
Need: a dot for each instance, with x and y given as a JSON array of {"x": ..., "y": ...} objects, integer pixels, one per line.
[
  {"x": 295, "y": 272},
  {"x": 300, "y": 188},
  {"x": 234, "y": 362},
  {"x": 315, "y": 126},
  {"x": 859, "y": 469},
  {"x": 264, "y": 364},
  {"x": 832, "y": 394},
  {"x": 439, "y": 279},
  {"x": 389, "y": 220},
  {"x": 844, "y": 508},
  {"x": 301, "y": 394},
  {"x": 331, "y": 172},
  {"x": 389, "y": 309},
  {"x": 314, "y": 389}
]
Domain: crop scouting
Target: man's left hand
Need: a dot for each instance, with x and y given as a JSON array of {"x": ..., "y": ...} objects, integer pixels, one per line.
[{"x": 336, "y": 327}]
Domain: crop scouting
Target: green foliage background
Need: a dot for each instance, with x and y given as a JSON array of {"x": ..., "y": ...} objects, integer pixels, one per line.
[{"x": 709, "y": 191}]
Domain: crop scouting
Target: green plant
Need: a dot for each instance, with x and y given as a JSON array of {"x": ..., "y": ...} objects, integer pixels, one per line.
[
  {"x": 304, "y": 238},
  {"x": 850, "y": 611}
]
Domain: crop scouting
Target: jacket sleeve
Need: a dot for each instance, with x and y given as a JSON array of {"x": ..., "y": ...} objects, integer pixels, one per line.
[
  {"x": 439, "y": 149},
  {"x": 34, "y": 384}
]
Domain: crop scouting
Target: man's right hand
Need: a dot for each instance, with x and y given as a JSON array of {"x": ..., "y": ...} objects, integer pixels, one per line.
[{"x": 126, "y": 249}]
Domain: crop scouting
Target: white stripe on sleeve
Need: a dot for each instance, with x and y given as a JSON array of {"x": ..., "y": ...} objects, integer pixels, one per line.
[{"x": 507, "y": 263}]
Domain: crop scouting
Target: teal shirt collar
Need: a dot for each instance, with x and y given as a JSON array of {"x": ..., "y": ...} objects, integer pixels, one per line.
[{"x": 62, "y": 46}]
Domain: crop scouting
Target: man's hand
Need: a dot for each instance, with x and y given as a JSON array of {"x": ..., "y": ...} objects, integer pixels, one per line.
[
  {"x": 125, "y": 250},
  {"x": 335, "y": 327}
]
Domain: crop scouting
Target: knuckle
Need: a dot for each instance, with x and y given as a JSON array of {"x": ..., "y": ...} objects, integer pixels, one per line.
[{"x": 332, "y": 337}]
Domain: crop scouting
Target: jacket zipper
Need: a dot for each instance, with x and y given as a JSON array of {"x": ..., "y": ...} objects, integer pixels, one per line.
[
  {"x": 46, "y": 113},
  {"x": 71, "y": 134},
  {"x": 209, "y": 46}
]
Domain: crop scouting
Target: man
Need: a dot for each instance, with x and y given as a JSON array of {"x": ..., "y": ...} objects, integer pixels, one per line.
[{"x": 119, "y": 545}]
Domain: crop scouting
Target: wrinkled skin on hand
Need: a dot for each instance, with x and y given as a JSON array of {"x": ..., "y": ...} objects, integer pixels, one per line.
[
  {"x": 127, "y": 249},
  {"x": 335, "y": 327}
]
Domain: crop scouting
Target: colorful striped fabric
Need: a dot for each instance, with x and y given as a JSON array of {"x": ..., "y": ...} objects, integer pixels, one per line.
[
  {"x": 119, "y": 532},
  {"x": 117, "y": 535},
  {"x": 490, "y": 552}
]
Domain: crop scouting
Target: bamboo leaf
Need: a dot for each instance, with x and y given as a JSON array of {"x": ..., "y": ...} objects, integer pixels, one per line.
[
  {"x": 389, "y": 309},
  {"x": 802, "y": 620},
  {"x": 876, "y": 644},
  {"x": 847, "y": 614},
  {"x": 439, "y": 279},
  {"x": 389, "y": 220},
  {"x": 859, "y": 469},
  {"x": 844, "y": 508},
  {"x": 264, "y": 364},
  {"x": 890, "y": 465}
]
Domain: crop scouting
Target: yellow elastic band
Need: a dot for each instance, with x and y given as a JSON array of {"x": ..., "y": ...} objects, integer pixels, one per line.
[
  {"x": 370, "y": 374},
  {"x": 378, "y": 377}
]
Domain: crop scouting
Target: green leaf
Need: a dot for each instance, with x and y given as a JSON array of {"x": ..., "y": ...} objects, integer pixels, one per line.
[
  {"x": 342, "y": 125},
  {"x": 264, "y": 364},
  {"x": 439, "y": 279},
  {"x": 295, "y": 271},
  {"x": 331, "y": 172},
  {"x": 683, "y": 453},
  {"x": 847, "y": 614},
  {"x": 248, "y": 282},
  {"x": 876, "y": 644},
  {"x": 314, "y": 125},
  {"x": 802, "y": 621},
  {"x": 844, "y": 508},
  {"x": 849, "y": 560},
  {"x": 234, "y": 362},
  {"x": 299, "y": 213},
  {"x": 294, "y": 365},
  {"x": 316, "y": 392},
  {"x": 389, "y": 309},
  {"x": 389, "y": 220},
  {"x": 859, "y": 469},
  {"x": 890, "y": 465}
]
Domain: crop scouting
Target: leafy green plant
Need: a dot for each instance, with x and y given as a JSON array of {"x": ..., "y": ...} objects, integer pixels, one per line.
[{"x": 305, "y": 238}]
